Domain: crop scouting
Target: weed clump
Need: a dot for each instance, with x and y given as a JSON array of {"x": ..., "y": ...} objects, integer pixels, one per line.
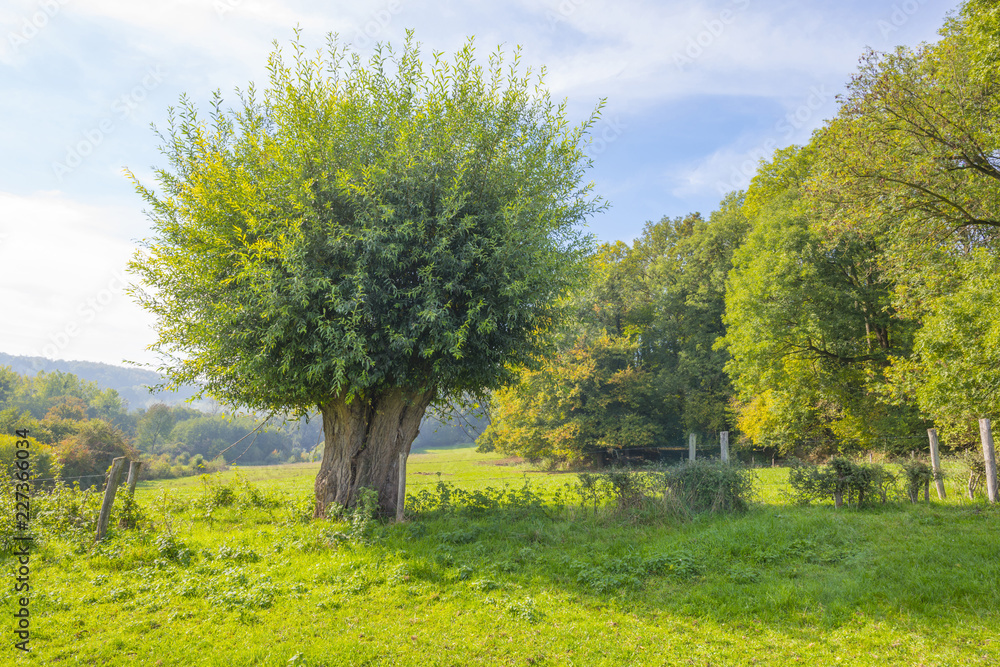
[
  {"x": 918, "y": 475},
  {"x": 711, "y": 486},
  {"x": 841, "y": 479},
  {"x": 449, "y": 499},
  {"x": 680, "y": 491}
]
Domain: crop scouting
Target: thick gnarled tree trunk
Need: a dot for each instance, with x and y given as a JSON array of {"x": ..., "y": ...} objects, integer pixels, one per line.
[{"x": 363, "y": 440}]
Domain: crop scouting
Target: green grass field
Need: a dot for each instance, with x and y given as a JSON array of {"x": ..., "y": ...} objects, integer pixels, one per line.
[{"x": 256, "y": 585}]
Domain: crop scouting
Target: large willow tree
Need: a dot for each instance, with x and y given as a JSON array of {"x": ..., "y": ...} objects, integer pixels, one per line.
[{"x": 364, "y": 238}]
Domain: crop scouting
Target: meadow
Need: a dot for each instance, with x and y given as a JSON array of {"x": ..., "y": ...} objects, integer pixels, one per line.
[{"x": 230, "y": 570}]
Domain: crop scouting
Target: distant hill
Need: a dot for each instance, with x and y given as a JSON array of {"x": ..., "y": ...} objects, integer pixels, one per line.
[{"x": 132, "y": 384}]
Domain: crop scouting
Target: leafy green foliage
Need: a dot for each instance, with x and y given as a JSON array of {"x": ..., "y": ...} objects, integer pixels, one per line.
[
  {"x": 584, "y": 400},
  {"x": 89, "y": 453},
  {"x": 448, "y": 498},
  {"x": 711, "y": 486},
  {"x": 41, "y": 458},
  {"x": 918, "y": 475},
  {"x": 841, "y": 480},
  {"x": 974, "y": 465},
  {"x": 810, "y": 324},
  {"x": 911, "y": 159},
  {"x": 675, "y": 492},
  {"x": 362, "y": 226},
  {"x": 170, "y": 548},
  {"x": 952, "y": 374},
  {"x": 638, "y": 364},
  {"x": 84, "y": 426}
]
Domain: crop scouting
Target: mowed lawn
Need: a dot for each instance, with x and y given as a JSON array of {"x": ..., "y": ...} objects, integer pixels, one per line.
[{"x": 248, "y": 584}]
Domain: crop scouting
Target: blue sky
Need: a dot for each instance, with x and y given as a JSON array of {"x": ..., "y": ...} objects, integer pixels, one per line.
[{"x": 696, "y": 93}]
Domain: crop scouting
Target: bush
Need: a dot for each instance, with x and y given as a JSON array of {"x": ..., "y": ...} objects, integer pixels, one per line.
[
  {"x": 217, "y": 494},
  {"x": 631, "y": 488},
  {"x": 67, "y": 511},
  {"x": 448, "y": 498},
  {"x": 41, "y": 458},
  {"x": 239, "y": 491},
  {"x": 975, "y": 466},
  {"x": 89, "y": 453},
  {"x": 840, "y": 479},
  {"x": 918, "y": 476},
  {"x": 688, "y": 488},
  {"x": 171, "y": 548},
  {"x": 711, "y": 486}
]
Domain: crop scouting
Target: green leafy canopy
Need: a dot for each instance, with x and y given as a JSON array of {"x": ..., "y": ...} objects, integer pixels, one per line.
[{"x": 361, "y": 227}]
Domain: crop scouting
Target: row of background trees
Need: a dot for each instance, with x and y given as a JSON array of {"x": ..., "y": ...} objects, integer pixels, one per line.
[
  {"x": 847, "y": 300},
  {"x": 78, "y": 427},
  {"x": 82, "y": 426}
]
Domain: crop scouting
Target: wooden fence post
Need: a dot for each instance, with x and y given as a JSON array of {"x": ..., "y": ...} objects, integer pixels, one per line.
[
  {"x": 133, "y": 475},
  {"x": 990, "y": 458},
  {"x": 692, "y": 440},
  {"x": 936, "y": 463},
  {"x": 127, "y": 520},
  {"x": 724, "y": 446},
  {"x": 401, "y": 489},
  {"x": 109, "y": 497}
]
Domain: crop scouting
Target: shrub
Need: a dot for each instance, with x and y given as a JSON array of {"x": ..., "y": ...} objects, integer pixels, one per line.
[
  {"x": 711, "y": 486},
  {"x": 41, "y": 458},
  {"x": 363, "y": 514},
  {"x": 446, "y": 497},
  {"x": 975, "y": 466},
  {"x": 918, "y": 475},
  {"x": 590, "y": 487},
  {"x": 217, "y": 494},
  {"x": 841, "y": 479},
  {"x": 631, "y": 488},
  {"x": 170, "y": 548},
  {"x": 89, "y": 453},
  {"x": 250, "y": 495}
]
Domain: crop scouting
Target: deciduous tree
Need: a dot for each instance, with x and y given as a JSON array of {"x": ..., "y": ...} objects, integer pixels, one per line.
[
  {"x": 365, "y": 238},
  {"x": 811, "y": 329}
]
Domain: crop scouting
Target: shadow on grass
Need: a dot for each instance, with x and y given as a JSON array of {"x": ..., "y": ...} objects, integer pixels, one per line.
[{"x": 789, "y": 567}]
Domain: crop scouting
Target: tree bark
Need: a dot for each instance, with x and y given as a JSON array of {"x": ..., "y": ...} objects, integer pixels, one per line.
[{"x": 363, "y": 440}]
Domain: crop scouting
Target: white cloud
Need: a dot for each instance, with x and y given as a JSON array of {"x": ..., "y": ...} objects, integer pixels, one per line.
[
  {"x": 60, "y": 84},
  {"x": 62, "y": 281},
  {"x": 650, "y": 52}
]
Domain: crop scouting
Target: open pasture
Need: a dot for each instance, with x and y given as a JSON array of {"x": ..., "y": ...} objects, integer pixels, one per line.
[{"x": 232, "y": 573}]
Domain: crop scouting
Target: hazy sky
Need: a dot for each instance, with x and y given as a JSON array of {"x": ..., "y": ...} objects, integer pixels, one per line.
[{"x": 696, "y": 93}]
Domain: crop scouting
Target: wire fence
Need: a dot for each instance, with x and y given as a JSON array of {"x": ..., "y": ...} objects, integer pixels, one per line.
[{"x": 706, "y": 444}]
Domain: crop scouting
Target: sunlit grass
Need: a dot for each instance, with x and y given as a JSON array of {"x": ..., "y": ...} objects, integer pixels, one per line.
[{"x": 777, "y": 585}]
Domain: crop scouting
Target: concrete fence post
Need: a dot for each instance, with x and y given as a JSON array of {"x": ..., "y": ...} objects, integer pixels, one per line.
[{"x": 986, "y": 435}]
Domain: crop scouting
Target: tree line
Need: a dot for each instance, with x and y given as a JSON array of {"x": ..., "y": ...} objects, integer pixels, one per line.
[
  {"x": 847, "y": 299},
  {"x": 78, "y": 428},
  {"x": 371, "y": 239}
]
